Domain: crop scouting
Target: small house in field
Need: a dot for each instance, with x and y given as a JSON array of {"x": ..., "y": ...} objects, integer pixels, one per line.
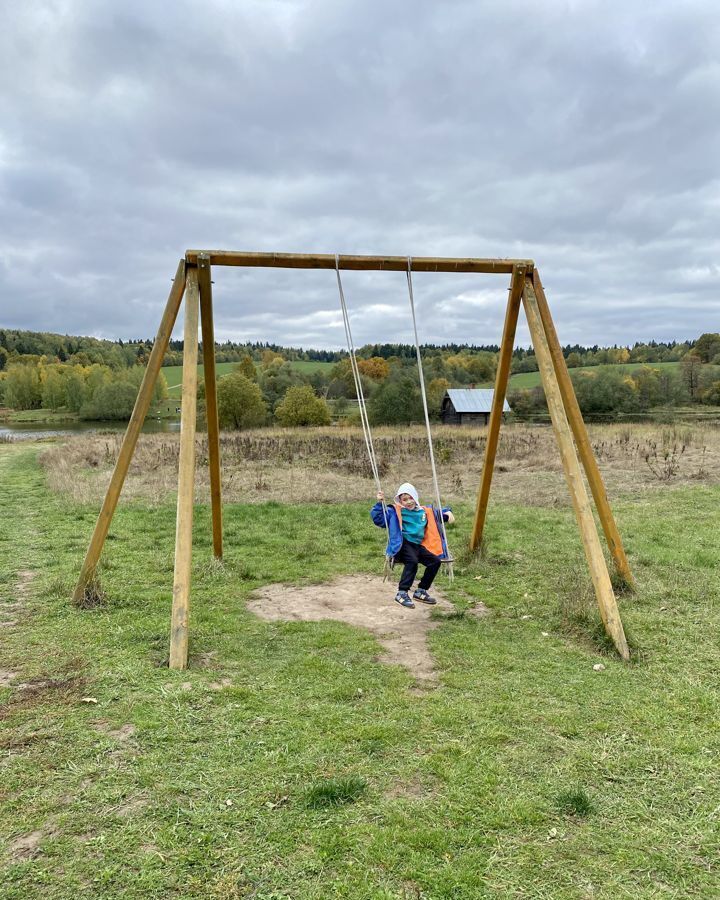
[{"x": 468, "y": 406}]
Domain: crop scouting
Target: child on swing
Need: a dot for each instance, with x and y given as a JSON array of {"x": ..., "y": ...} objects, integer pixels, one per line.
[{"x": 415, "y": 537}]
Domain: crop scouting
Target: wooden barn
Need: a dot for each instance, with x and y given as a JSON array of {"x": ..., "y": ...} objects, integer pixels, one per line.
[{"x": 468, "y": 406}]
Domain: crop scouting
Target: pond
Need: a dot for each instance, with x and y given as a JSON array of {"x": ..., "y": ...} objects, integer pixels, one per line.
[{"x": 31, "y": 431}]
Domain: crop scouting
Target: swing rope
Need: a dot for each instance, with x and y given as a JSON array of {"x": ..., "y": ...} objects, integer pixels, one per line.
[
  {"x": 359, "y": 393},
  {"x": 449, "y": 560},
  {"x": 367, "y": 434}
]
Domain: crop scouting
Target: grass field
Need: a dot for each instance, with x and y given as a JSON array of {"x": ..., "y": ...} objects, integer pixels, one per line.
[
  {"x": 173, "y": 374},
  {"x": 288, "y": 763},
  {"x": 532, "y": 379}
]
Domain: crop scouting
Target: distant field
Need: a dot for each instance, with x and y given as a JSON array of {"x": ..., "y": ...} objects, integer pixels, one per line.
[
  {"x": 311, "y": 365},
  {"x": 173, "y": 374},
  {"x": 532, "y": 379}
]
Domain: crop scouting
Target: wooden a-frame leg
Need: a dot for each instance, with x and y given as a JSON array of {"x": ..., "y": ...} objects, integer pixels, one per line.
[
  {"x": 208, "y": 342},
  {"x": 501, "y": 382},
  {"x": 587, "y": 457},
  {"x": 186, "y": 480},
  {"x": 142, "y": 404},
  {"x": 581, "y": 503}
]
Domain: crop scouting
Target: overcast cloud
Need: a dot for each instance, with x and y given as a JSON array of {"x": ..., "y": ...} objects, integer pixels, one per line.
[{"x": 584, "y": 135}]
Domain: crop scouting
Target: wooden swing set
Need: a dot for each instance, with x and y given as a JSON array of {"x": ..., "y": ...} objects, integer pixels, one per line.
[{"x": 193, "y": 281}]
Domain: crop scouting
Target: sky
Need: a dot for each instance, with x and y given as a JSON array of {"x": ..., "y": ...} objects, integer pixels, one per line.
[{"x": 583, "y": 135}]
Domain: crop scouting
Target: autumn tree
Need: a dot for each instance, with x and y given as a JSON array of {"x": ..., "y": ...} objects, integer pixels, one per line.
[
  {"x": 22, "y": 387},
  {"x": 342, "y": 381},
  {"x": 711, "y": 395},
  {"x": 246, "y": 367},
  {"x": 376, "y": 368},
  {"x": 481, "y": 366},
  {"x": 649, "y": 387},
  {"x": 269, "y": 357},
  {"x": 707, "y": 346},
  {"x": 436, "y": 390},
  {"x": 690, "y": 366},
  {"x": 76, "y": 389},
  {"x": 240, "y": 402},
  {"x": 53, "y": 390},
  {"x": 300, "y": 406}
]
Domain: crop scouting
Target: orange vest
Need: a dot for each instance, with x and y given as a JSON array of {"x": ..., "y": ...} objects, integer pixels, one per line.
[{"x": 432, "y": 540}]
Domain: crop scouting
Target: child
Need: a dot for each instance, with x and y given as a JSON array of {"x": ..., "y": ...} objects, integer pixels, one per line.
[{"x": 415, "y": 537}]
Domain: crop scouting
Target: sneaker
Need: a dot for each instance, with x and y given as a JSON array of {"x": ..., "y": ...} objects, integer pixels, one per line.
[
  {"x": 422, "y": 595},
  {"x": 403, "y": 598}
]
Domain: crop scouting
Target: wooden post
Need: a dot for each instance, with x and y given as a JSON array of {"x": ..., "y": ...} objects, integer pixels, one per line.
[
  {"x": 591, "y": 542},
  {"x": 142, "y": 404},
  {"x": 587, "y": 457},
  {"x": 186, "y": 480},
  {"x": 501, "y": 382},
  {"x": 208, "y": 342}
]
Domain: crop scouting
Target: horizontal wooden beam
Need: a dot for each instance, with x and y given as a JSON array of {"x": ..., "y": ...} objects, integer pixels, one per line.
[{"x": 378, "y": 263}]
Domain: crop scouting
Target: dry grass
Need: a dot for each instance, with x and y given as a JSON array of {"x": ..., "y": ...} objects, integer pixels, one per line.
[{"x": 330, "y": 464}]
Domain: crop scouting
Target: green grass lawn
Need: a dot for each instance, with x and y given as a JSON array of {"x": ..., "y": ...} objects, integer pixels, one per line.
[
  {"x": 173, "y": 374},
  {"x": 317, "y": 772}
]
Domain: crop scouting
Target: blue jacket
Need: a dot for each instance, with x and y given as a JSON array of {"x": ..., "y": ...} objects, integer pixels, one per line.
[{"x": 395, "y": 537}]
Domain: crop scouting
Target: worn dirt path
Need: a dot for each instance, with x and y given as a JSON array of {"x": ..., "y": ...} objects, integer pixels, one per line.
[{"x": 366, "y": 602}]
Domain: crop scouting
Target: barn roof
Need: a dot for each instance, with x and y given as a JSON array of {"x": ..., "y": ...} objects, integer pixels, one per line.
[{"x": 475, "y": 400}]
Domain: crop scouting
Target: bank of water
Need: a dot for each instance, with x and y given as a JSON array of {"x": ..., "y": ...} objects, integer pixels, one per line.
[{"x": 33, "y": 431}]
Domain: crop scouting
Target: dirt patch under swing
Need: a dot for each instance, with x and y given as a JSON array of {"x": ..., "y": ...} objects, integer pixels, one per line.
[{"x": 367, "y": 602}]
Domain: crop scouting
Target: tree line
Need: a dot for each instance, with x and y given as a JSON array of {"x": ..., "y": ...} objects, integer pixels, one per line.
[
  {"x": 611, "y": 392},
  {"x": 276, "y": 392},
  {"x": 265, "y": 387},
  {"x": 17, "y": 345},
  {"x": 272, "y": 390},
  {"x": 92, "y": 392}
]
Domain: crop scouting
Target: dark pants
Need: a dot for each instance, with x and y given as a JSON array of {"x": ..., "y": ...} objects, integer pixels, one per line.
[{"x": 414, "y": 555}]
